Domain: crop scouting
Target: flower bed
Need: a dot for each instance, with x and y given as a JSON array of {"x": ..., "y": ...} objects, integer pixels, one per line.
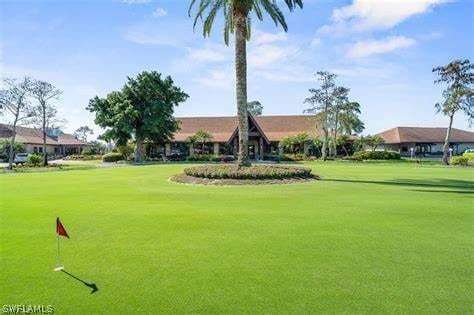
[{"x": 254, "y": 172}]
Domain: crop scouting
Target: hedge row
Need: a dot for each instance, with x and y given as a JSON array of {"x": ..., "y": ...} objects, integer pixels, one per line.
[
  {"x": 249, "y": 172},
  {"x": 376, "y": 155},
  {"x": 210, "y": 158},
  {"x": 112, "y": 157},
  {"x": 82, "y": 157},
  {"x": 459, "y": 160}
]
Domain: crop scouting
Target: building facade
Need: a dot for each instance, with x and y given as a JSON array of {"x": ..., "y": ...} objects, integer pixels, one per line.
[
  {"x": 57, "y": 142},
  {"x": 426, "y": 141},
  {"x": 265, "y": 134}
]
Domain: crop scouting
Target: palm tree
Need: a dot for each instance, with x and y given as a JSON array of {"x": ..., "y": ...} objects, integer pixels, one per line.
[{"x": 237, "y": 20}]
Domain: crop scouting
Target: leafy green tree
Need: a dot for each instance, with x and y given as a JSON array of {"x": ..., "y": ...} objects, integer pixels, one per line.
[
  {"x": 45, "y": 113},
  {"x": 373, "y": 142},
  {"x": 202, "y": 137},
  {"x": 237, "y": 20},
  {"x": 82, "y": 132},
  {"x": 14, "y": 100},
  {"x": 322, "y": 103},
  {"x": 458, "y": 95},
  {"x": 255, "y": 108},
  {"x": 142, "y": 110}
]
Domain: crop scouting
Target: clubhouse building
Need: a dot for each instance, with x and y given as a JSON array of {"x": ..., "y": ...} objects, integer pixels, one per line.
[
  {"x": 265, "y": 134},
  {"x": 427, "y": 141},
  {"x": 57, "y": 142}
]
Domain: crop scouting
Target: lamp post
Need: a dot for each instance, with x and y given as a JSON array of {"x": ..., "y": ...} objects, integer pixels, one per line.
[
  {"x": 450, "y": 153},
  {"x": 411, "y": 152}
]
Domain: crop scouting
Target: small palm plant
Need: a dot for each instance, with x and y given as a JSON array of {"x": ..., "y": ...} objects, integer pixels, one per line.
[{"x": 237, "y": 20}]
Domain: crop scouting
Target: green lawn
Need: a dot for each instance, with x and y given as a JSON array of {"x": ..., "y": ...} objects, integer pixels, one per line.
[{"x": 368, "y": 238}]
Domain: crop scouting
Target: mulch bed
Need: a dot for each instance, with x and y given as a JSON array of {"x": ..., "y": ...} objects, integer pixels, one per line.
[{"x": 186, "y": 179}]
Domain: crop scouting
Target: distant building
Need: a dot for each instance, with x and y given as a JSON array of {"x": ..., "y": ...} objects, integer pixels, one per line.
[
  {"x": 425, "y": 140},
  {"x": 265, "y": 134},
  {"x": 57, "y": 142}
]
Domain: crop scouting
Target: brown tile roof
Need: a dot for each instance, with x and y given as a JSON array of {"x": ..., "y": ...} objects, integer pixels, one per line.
[
  {"x": 222, "y": 128},
  {"x": 422, "y": 134},
  {"x": 35, "y": 136}
]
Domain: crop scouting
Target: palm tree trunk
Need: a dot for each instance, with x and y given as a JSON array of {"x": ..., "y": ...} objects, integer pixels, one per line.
[
  {"x": 446, "y": 141},
  {"x": 241, "y": 87}
]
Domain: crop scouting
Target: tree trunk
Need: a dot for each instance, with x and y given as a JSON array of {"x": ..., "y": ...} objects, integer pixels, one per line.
[
  {"x": 446, "y": 141},
  {"x": 138, "y": 151},
  {"x": 335, "y": 134},
  {"x": 12, "y": 144},
  {"x": 325, "y": 144},
  {"x": 241, "y": 87},
  {"x": 45, "y": 154}
]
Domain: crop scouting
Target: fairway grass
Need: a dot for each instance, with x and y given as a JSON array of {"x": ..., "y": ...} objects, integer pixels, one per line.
[{"x": 367, "y": 238}]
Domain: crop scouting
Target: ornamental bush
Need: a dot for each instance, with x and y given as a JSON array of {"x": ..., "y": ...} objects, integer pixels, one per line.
[
  {"x": 112, "y": 157},
  {"x": 376, "y": 155},
  {"x": 468, "y": 155},
  {"x": 82, "y": 157},
  {"x": 459, "y": 160},
  {"x": 248, "y": 172},
  {"x": 34, "y": 160}
]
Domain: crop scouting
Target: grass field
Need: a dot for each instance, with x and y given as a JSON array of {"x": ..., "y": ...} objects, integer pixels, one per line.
[{"x": 368, "y": 238}]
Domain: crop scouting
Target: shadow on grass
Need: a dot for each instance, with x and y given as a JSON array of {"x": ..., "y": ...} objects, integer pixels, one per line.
[
  {"x": 445, "y": 185},
  {"x": 93, "y": 286}
]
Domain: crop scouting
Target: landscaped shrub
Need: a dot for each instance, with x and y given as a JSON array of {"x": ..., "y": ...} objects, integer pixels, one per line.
[
  {"x": 210, "y": 158},
  {"x": 249, "y": 172},
  {"x": 112, "y": 157},
  {"x": 200, "y": 157},
  {"x": 469, "y": 155},
  {"x": 459, "y": 160},
  {"x": 34, "y": 160},
  {"x": 82, "y": 157},
  {"x": 376, "y": 155},
  {"x": 272, "y": 157}
]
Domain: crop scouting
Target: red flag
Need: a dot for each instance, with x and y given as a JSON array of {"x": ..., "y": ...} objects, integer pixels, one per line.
[{"x": 60, "y": 228}]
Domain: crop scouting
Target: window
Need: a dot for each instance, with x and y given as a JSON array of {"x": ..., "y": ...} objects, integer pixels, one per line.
[
  {"x": 40, "y": 149},
  {"x": 404, "y": 149}
]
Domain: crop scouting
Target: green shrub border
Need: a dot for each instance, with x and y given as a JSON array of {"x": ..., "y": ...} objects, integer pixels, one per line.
[{"x": 249, "y": 172}]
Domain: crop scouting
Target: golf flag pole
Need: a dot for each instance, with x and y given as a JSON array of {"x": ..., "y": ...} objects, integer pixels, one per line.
[{"x": 60, "y": 231}]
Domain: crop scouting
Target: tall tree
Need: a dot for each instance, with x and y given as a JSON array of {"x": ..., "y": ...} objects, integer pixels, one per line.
[
  {"x": 142, "y": 110},
  {"x": 14, "y": 100},
  {"x": 237, "y": 20},
  {"x": 322, "y": 102},
  {"x": 255, "y": 108},
  {"x": 458, "y": 95},
  {"x": 349, "y": 120},
  {"x": 45, "y": 111},
  {"x": 82, "y": 132},
  {"x": 341, "y": 98}
]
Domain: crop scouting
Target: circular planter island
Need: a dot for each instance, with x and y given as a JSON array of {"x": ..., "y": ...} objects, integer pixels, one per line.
[{"x": 245, "y": 175}]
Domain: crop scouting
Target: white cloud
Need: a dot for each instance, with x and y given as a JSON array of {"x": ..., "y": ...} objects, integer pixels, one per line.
[
  {"x": 209, "y": 54},
  {"x": 159, "y": 12},
  {"x": 136, "y": 1},
  {"x": 222, "y": 79},
  {"x": 371, "y": 47},
  {"x": 266, "y": 38},
  {"x": 364, "y": 15},
  {"x": 266, "y": 55}
]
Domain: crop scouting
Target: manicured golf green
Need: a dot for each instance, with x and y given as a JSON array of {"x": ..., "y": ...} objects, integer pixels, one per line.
[{"x": 368, "y": 238}]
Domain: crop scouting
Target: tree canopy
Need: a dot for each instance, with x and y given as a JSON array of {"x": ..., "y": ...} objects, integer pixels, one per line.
[
  {"x": 142, "y": 110},
  {"x": 255, "y": 108}
]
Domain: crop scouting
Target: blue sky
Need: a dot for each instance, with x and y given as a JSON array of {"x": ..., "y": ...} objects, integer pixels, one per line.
[{"x": 383, "y": 50}]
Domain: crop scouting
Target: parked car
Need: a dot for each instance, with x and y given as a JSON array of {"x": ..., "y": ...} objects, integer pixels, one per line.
[{"x": 20, "y": 158}]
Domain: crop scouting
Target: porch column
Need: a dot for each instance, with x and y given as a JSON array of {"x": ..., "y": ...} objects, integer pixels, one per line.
[
  {"x": 168, "y": 149},
  {"x": 191, "y": 149},
  {"x": 260, "y": 148},
  {"x": 216, "y": 148},
  {"x": 236, "y": 148},
  {"x": 280, "y": 149}
]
